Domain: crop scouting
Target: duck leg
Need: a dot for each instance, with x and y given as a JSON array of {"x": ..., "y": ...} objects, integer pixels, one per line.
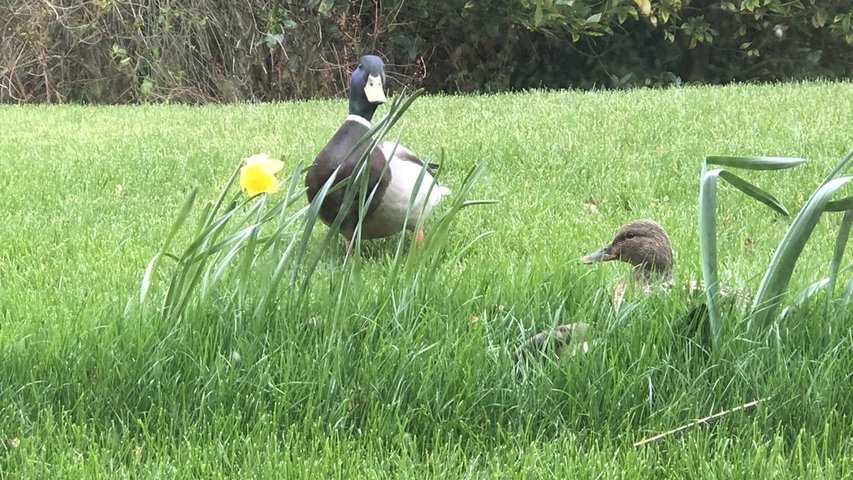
[
  {"x": 347, "y": 246},
  {"x": 419, "y": 240}
]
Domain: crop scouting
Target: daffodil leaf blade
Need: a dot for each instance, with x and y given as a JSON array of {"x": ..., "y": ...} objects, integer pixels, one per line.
[
  {"x": 210, "y": 232},
  {"x": 202, "y": 218},
  {"x": 271, "y": 286},
  {"x": 180, "y": 219},
  {"x": 226, "y": 260},
  {"x": 221, "y": 245},
  {"x": 146, "y": 278},
  {"x": 754, "y": 163},
  {"x": 804, "y": 296},
  {"x": 708, "y": 248},
  {"x": 776, "y": 278},
  {"x": 842, "y": 205},
  {"x": 848, "y": 292},
  {"x": 755, "y": 192},
  {"x": 249, "y": 249},
  {"x": 838, "y": 252},
  {"x": 284, "y": 223},
  {"x": 171, "y": 256},
  {"x": 311, "y": 217},
  {"x": 471, "y": 203},
  {"x": 220, "y": 200},
  {"x": 841, "y": 166}
]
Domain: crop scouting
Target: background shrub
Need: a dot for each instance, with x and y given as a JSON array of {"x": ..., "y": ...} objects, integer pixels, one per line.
[{"x": 118, "y": 51}]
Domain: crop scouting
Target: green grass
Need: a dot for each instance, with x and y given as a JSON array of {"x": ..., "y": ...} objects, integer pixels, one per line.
[{"x": 353, "y": 381}]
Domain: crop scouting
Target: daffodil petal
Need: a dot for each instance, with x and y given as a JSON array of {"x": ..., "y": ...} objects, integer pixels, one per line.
[
  {"x": 273, "y": 166},
  {"x": 263, "y": 160},
  {"x": 258, "y": 158},
  {"x": 254, "y": 179}
]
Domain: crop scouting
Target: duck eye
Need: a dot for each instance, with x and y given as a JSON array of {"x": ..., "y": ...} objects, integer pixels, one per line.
[{"x": 630, "y": 235}]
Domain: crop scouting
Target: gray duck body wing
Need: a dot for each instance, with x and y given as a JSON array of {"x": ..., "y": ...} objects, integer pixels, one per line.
[{"x": 405, "y": 154}]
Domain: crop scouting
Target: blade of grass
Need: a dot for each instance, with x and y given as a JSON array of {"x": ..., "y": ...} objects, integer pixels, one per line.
[{"x": 803, "y": 297}]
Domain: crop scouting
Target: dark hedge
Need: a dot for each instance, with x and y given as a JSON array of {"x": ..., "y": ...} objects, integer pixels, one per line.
[{"x": 122, "y": 51}]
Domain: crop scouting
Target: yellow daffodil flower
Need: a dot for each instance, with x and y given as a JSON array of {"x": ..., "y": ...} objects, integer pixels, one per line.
[{"x": 257, "y": 175}]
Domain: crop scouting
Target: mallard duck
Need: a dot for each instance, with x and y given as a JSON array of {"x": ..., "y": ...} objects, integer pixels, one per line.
[
  {"x": 645, "y": 245},
  {"x": 393, "y": 169},
  {"x": 641, "y": 243}
]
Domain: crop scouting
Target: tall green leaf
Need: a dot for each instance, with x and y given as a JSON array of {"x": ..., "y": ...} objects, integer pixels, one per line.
[
  {"x": 176, "y": 226},
  {"x": 708, "y": 248},
  {"x": 707, "y": 220},
  {"x": 755, "y": 163},
  {"x": 848, "y": 292},
  {"x": 803, "y": 297},
  {"x": 842, "y": 165},
  {"x": 838, "y": 254},
  {"x": 179, "y": 221},
  {"x": 775, "y": 282},
  {"x": 755, "y": 192},
  {"x": 842, "y": 205}
]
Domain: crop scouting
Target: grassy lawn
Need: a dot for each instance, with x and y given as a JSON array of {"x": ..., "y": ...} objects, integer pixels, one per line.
[{"x": 355, "y": 379}]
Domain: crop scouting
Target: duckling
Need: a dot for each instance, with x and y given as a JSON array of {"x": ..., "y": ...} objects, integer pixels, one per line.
[
  {"x": 571, "y": 338},
  {"x": 393, "y": 169}
]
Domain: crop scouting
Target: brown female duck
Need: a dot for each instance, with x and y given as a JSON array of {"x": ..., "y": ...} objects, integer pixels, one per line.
[{"x": 645, "y": 245}]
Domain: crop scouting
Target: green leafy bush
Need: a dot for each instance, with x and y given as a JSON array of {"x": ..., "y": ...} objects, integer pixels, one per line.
[{"x": 205, "y": 51}]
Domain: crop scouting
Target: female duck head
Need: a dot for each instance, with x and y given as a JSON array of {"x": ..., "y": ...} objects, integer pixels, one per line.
[
  {"x": 367, "y": 87},
  {"x": 643, "y": 244}
]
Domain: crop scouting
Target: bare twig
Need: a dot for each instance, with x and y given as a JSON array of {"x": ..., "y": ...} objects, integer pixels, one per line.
[{"x": 701, "y": 421}]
